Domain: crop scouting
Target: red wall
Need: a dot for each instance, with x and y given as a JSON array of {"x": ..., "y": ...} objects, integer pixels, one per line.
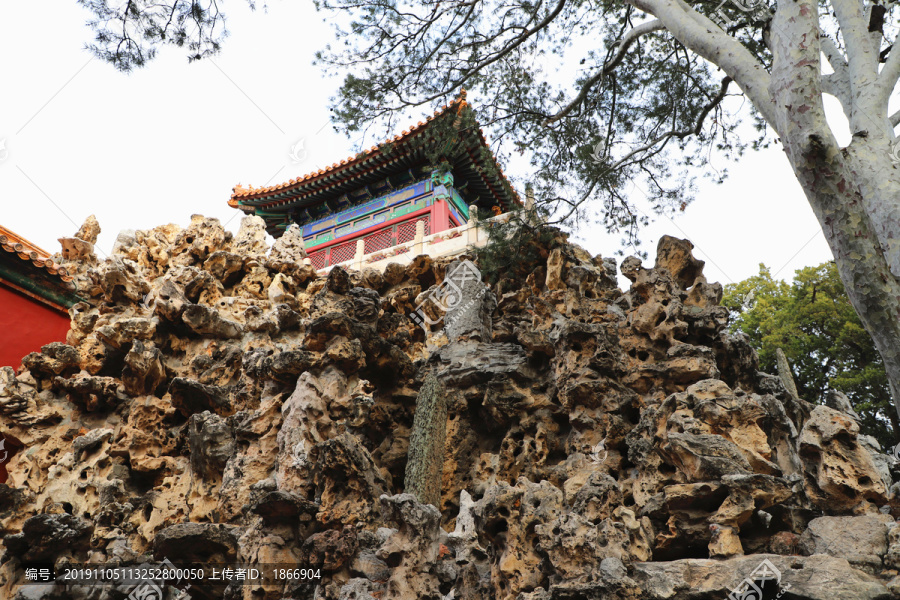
[{"x": 26, "y": 325}]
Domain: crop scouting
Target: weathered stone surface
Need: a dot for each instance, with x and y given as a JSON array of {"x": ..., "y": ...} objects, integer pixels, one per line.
[
  {"x": 412, "y": 548},
  {"x": 675, "y": 256},
  {"x": 288, "y": 252},
  {"x": 216, "y": 403},
  {"x": 90, "y": 440},
  {"x": 554, "y": 279},
  {"x": 89, "y": 230},
  {"x": 251, "y": 237},
  {"x": 470, "y": 315},
  {"x": 92, "y": 393},
  {"x": 345, "y": 479},
  {"x": 705, "y": 457},
  {"x": 169, "y": 302},
  {"x": 143, "y": 439},
  {"x": 121, "y": 280},
  {"x": 201, "y": 238},
  {"x": 814, "y": 578},
  {"x": 46, "y": 537},
  {"x": 144, "y": 371},
  {"x": 227, "y": 267},
  {"x": 276, "y": 505},
  {"x": 190, "y": 396},
  {"x": 197, "y": 541},
  {"x": 862, "y": 541},
  {"x": 784, "y": 372},
  {"x": 212, "y": 444},
  {"x": 470, "y": 363},
  {"x": 76, "y": 249},
  {"x": 206, "y": 321},
  {"x": 839, "y": 472},
  {"x": 394, "y": 273},
  {"x": 330, "y": 549},
  {"x": 53, "y": 359},
  {"x": 839, "y": 402},
  {"x": 126, "y": 239},
  {"x": 81, "y": 246},
  {"x": 366, "y": 304}
]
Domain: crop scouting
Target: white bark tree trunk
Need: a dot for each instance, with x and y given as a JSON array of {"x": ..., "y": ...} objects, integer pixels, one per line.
[
  {"x": 832, "y": 186},
  {"x": 854, "y": 192}
]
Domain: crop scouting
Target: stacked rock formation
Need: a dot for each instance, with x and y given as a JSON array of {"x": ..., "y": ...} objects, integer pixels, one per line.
[{"x": 218, "y": 401}]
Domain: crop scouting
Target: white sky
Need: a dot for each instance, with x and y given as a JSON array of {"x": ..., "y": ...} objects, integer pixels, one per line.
[{"x": 172, "y": 139}]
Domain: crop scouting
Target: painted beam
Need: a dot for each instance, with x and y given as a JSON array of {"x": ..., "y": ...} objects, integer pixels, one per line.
[{"x": 34, "y": 287}]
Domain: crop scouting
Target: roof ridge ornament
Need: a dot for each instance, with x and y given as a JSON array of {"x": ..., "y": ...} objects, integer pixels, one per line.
[{"x": 461, "y": 99}]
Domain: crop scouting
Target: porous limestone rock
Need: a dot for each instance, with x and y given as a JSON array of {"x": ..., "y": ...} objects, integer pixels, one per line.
[
  {"x": 81, "y": 246},
  {"x": 213, "y": 402},
  {"x": 862, "y": 540},
  {"x": 251, "y": 238},
  {"x": 810, "y": 578},
  {"x": 288, "y": 252},
  {"x": 89, "y": 230},
  {"x": 46, "y": 537},
  {"x": 839, "y": 472}
]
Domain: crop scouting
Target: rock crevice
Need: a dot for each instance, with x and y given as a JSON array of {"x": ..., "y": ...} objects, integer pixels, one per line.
[{"x": 217, "y": 400}]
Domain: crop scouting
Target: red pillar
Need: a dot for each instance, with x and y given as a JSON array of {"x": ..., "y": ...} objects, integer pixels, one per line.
[{"x": 440, "y": 216}]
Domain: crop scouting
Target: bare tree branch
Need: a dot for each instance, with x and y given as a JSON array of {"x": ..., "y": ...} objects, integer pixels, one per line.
[
  {"x": 627, "y": 40},
  {"x": 890, "y": 73},
  {"x": 705, "y": 38},
  {"x": 660, "y": 141},
  {"x": 862, "y": 60}
]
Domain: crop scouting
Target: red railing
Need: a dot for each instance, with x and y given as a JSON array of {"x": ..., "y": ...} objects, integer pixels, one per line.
[
  {"x": 406, "y": 232},
  {"x": 393, "y": 235},
  {"x": 319, "y": 259},
  {"x": 379, "y": 240},
  {"x": 343, "y": 252}
]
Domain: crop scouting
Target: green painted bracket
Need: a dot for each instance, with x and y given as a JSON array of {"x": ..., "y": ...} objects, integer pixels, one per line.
[{"x": 32, "y": 286}]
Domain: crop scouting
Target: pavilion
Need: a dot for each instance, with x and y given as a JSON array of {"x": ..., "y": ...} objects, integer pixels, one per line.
[{"x": 384, "y": 195}]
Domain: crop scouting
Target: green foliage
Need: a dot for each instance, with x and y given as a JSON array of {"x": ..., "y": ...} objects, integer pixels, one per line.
[
  {"x": 446, "y": 141},
  {"x": 812, "y": 320},
  {"x": 649, "y": 117},
  {"x": 514, "y": 247},
  {"x": 129, "y": 32}
]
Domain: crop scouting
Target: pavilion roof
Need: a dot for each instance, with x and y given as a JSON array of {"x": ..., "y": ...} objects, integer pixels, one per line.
[
  {"x": 32, "y": 254},
  {"x": 275, "y": 203},
  {"x": 30, "y": 270}
]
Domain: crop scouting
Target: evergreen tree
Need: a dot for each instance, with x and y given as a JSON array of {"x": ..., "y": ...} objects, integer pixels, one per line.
[
  {"x": 812, "y": 320},
  {"x": 516, "y": 244}
]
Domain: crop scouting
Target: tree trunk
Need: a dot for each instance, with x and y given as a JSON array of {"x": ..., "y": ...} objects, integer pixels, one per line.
[
  {"x": 832, "y": 186},
  {"x": 848, "y": 189},
  {"x": 895, "y": 425}
]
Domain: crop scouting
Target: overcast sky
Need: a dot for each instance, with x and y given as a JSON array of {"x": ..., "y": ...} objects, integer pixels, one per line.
[{"x": 172, "y": 139}]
